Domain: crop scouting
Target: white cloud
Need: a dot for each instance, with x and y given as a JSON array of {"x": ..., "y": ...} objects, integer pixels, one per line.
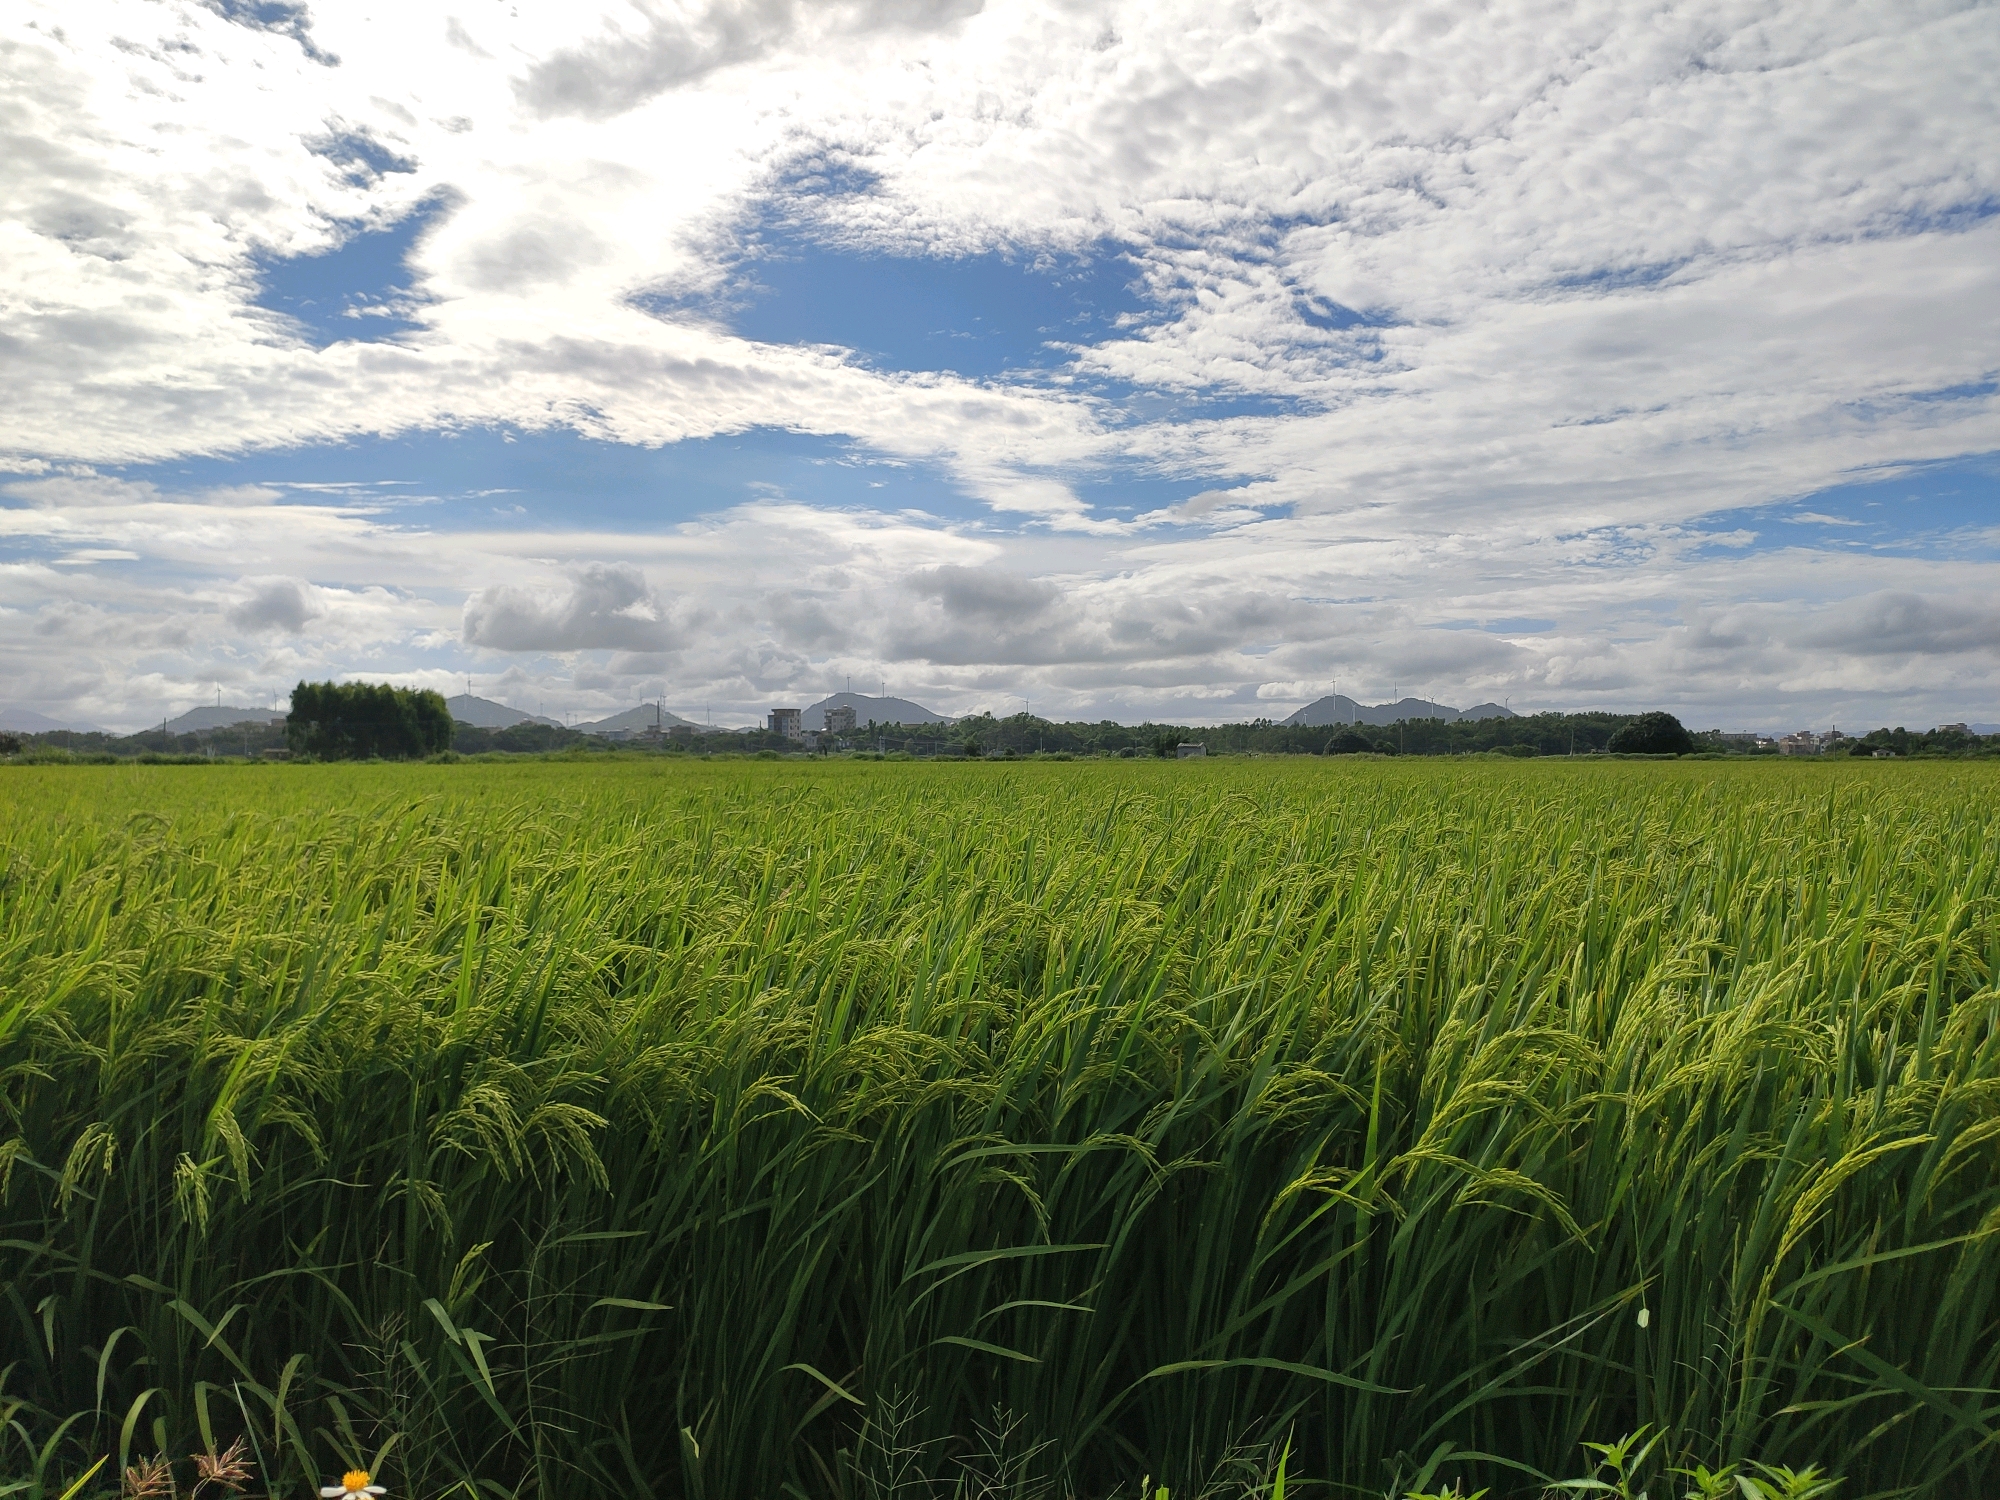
[
  {"x": 618, "y": 70},
  {"x": 1899, "y": 623},
  {"x": 603, "y": 607},
  {"x": 276, "y": 604},
  {"x": 1614, "y": 271}
]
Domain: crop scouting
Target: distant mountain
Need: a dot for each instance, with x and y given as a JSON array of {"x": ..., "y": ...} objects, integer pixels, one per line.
[
  {"x": 1340, "y": 709},
  {"x": 27, "y": 721},
  {"x": 637, "y": 721},
  {"x": 881, "y": 710},
  {"x": 221, "y": 716},
  {"x": 484, "y": 713}
]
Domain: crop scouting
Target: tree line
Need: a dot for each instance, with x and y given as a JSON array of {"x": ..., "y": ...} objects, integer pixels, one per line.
[{"x": 346, "y": 721}]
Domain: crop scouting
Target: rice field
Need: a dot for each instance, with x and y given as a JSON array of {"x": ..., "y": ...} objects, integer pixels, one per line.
[{"x": 855, "y": 1129}]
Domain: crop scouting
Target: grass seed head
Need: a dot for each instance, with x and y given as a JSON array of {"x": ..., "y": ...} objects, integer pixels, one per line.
[
  {"x": 148, "y": 1479},
  {"x": 228, "y": 1470}
]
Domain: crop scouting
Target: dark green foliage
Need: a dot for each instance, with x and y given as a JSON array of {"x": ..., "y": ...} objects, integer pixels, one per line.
[
  {"x": 525, "y": 738},
  {"x": 366, "y": 721},
  {"x": 10, "y": 744},
  {"x": 1928, "y": 742},
  {"x": 1541, "y": 734},
  {"x": 1654, "y": 733},
  {"x": 235, "y": 741},
  {"x": 1529, "y": 735}
]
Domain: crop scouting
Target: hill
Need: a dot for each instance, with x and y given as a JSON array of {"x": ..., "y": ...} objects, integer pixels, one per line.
[
  {"x": 1340, "y": 709},
  {"x": 637, "y": 721},
  {"x": 222, "y": 716},
  {"x": 484, "y": 713},
  {"x": 879, "y": 710},
  {"x": 27, "y": 721}
]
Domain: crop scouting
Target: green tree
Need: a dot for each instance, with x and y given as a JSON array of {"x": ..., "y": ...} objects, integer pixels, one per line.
[
  {"x": 1655, "y": 733},
  {"x": 360, "y": 720}
]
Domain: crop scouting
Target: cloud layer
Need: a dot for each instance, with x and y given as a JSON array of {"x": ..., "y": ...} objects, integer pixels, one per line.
[{"x": 1468, "y": 335}]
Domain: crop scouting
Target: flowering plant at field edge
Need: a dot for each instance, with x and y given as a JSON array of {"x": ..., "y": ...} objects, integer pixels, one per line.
[{"x": 353, "y": 1485}]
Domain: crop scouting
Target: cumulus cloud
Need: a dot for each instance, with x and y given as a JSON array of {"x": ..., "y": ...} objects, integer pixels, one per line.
[
  {"x": 1154, "y": 625},
  {"x": 986, "y": 596},
  {"x": 1897, "y": 623},
  {"x": 604, "y": 606},
  {"x": 276, "y": 604}
]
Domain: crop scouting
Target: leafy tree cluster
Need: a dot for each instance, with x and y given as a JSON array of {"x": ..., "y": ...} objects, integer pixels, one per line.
[
  {"x": 366, "y": 720},
  {"x": 1928, "y": 743},
  {"x": 1023, "y": 734},
  {"x": 249, "y": 739},
  {"x": 545, "y": 739},
  {"x": 235, "y": 741},
  {"x": 522, "y": 739},
  {"x": 1652, "y": 734}
]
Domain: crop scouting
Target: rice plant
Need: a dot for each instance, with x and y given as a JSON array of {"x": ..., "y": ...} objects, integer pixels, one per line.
[{"x": 847, "y": 1130}]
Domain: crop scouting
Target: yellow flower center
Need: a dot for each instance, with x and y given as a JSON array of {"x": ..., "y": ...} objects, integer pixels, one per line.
[{"x": 354, "y": 1481}]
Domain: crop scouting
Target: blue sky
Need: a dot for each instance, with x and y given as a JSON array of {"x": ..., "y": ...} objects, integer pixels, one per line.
[
  {"x": 483, "y": 477},
  {"x": 1945, "y": 512},
  {"x": 1145, "y": 360}
]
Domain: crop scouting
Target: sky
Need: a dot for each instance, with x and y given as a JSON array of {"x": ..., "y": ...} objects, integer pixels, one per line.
[{"x": 1173, "y": 361}]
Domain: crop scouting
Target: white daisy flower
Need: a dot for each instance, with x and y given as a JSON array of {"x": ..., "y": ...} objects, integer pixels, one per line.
[{"x": 353, "y": 1485}]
